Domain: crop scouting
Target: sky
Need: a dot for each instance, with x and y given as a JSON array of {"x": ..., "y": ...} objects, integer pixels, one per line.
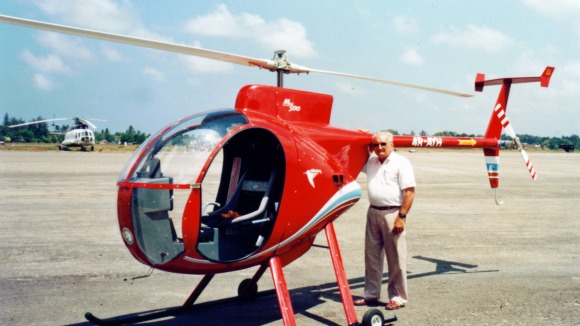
[{"x": 440, "y": 44}]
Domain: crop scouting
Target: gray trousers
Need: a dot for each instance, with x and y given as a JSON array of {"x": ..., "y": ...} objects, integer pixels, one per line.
[{"x": 378, "y": 239}]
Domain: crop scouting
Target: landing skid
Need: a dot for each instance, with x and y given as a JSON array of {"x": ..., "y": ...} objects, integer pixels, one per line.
[
  {"x": 248, "y": 289},
  {"x": 166, "y": 312}
]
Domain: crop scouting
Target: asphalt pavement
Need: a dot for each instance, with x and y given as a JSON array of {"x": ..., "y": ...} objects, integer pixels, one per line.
[{"x": 471, "y": 261}]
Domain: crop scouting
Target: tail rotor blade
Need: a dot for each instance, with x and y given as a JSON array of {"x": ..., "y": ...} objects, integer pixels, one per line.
[
  {"x": 526, "y": 158},
  {"x": 510, "y": 132}
]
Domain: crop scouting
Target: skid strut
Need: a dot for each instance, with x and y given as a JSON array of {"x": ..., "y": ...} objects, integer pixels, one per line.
[
  {"x": 282, "y": 292},
  {"x": 341, "y": 278}
]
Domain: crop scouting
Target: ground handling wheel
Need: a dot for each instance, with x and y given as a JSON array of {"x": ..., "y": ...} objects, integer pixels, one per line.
[{"x": 373, "y": 317}]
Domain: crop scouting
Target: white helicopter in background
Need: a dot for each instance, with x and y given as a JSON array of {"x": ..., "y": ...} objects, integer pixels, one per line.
[{"x": 78, "y": 135}]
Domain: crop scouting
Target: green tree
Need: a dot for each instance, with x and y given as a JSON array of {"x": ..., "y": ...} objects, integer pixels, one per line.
[{"x": 129, "y": 135}]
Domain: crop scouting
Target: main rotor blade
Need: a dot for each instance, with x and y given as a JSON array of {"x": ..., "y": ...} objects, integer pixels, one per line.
[
  {"x": 270, "y": 64},
  {"x": 430, "y": 89},
  {"x": 158, "y": 45},
  {"x": 36, "y": 122},
  {"x": 87, "y": 122},
  {"x": 104, "y": 120}
]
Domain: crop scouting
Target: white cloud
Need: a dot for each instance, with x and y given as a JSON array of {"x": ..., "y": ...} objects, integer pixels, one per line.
[
  {"x": 566, "y": 12},
  {"x": 412, "y": 57},
  {"x": 50, "y": 63},
  {"x": 154, "y": 74},
  {"x": 221, "y": 22},
  {"x": 475, "y": 37},
  {"x": 556, "y": 8},
  {"x": 41, "y": 82},
  {"x": 111, "y": 54},
  {"x": 572, "y": 68},
  {"x": 272, "y": 35},
  {"x": 193, "y": 82},
  {"x": 64, "y": 45},
  {"x": 531, "y": 62},
  {"x": 287, "y": 35},
  {"x": 101, "y": 15},
  {"x": 405, "y": 25}
]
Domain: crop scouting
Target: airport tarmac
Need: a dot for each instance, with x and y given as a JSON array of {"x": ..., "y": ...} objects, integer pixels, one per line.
[{"x": 471, "y": 262}]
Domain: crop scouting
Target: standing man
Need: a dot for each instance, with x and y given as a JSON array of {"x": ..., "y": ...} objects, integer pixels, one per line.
[{"x": 391, "y": 190}]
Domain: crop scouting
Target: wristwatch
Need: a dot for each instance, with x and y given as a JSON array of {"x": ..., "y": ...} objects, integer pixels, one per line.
[{"x": 403, "y": 216}]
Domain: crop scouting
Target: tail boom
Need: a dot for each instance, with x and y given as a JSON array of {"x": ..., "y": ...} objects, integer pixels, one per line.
[{"x": 444, "y": 142}]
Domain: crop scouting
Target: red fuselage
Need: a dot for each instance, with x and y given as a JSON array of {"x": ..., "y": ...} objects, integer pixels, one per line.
[{"x": 279, "y": 138}]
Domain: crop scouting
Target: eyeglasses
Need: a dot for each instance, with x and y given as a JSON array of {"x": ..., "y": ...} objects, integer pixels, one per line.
[{"x": 381, "y": 144}]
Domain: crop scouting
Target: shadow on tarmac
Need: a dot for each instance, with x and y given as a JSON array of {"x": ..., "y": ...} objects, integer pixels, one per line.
[{"x": 263, "y": 309}]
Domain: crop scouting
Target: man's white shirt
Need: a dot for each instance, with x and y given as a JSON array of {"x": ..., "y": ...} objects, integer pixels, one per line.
[{"x": 387, "y": 181}]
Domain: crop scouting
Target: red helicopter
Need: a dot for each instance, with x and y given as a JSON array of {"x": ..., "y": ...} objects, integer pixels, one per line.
[{"x": 230, "y": 189}]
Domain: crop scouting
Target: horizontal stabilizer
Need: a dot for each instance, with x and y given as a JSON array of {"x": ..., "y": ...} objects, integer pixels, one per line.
[{"x": 544, "y": 80}]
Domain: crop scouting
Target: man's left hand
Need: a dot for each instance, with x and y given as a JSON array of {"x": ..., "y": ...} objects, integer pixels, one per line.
[{"x": 399, "y": 225}]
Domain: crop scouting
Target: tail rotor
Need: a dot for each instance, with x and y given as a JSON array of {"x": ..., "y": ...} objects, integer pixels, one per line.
[
  {"x": 510, "y": 132},
  {"x": 499, "y": 121}
]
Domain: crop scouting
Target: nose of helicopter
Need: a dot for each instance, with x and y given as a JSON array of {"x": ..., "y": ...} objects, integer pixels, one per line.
[{"x": 159, "y": 188}]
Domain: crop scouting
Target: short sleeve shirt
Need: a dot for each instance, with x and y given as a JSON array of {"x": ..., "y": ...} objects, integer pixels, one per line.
[{"x": 387, "y": 181}]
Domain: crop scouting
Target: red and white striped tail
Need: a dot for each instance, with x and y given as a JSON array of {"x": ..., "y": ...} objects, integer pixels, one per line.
[
  {"x": 528, "y": 163},
  {"x": 510, "y": 132},
  {"x": 499, "y": 122}
]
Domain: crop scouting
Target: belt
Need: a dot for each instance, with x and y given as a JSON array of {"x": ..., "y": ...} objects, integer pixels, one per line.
[{"x": 384, "y": 208}]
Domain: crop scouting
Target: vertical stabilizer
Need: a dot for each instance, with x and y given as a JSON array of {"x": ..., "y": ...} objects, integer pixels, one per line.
[{"x": 500, "y": 121}]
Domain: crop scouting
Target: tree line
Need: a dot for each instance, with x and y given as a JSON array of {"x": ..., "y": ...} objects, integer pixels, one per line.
[
  {"x": 40, "y": 133},
  {"x": 525, "y": 139}
]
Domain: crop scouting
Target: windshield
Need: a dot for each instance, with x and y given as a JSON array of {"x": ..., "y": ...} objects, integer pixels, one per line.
[{"x": 180, "y": 151}]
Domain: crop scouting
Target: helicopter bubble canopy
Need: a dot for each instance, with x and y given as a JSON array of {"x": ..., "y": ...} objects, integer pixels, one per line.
[{"x": 181, "y": 149}]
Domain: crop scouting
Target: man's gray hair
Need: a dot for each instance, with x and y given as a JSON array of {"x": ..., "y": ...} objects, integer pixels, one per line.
[{"x": 387, "y": 134}]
